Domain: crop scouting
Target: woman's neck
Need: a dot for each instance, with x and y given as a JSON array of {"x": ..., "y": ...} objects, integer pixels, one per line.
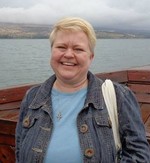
[{"x": 65, "y": 87}]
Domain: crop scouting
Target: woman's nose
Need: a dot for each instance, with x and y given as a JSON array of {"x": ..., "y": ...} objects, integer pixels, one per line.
[{"x": 69, "y": 53}]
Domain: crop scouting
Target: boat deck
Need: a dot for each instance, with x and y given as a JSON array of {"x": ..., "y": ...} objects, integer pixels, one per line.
[{"x": 137, "y": 79}]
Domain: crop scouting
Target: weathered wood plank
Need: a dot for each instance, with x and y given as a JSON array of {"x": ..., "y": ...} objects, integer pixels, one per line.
[
  {"x": 140, "y": 88},
  {"x": 13, "y": 93},
  {"x": 9, "y": 114},
  {"x": 7, "y": 127},
  {"x": 145, "y": 111},
  {"x": 119, "y": 76},
  {"x": 7, "y": 154},
  {"x": 143, "y": 98},
  {"x": 141, "y": 91},
  {"x": 7, "y": 140},
  {"x": 139, "y": 76},
  {"x": 10, "y": 106}
]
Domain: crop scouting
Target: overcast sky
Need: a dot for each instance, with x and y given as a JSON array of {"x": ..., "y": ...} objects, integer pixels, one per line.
[{"x": 132, "y": 14}]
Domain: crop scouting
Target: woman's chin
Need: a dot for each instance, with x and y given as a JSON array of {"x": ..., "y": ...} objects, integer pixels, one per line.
[{"x": 67, "y": 77}]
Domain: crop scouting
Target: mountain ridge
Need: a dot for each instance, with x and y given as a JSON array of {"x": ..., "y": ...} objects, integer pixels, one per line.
[{"x": 42, "y": 31}]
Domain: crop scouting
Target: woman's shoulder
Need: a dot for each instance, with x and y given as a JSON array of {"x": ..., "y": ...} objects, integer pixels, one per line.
[
  {"x": 122, "y": 89},
  {"x": 33, "y": 90},
  {"x": 41, "y": 87}
]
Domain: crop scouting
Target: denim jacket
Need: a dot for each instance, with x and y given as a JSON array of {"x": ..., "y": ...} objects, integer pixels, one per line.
[{"x": 35, "y": 126}]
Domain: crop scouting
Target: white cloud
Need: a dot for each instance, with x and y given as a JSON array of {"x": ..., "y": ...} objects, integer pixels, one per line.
[{"x": 128, "y": 14}]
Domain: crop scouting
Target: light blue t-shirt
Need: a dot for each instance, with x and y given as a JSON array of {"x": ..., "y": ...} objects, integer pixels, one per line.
[{"x": 64, "y": 146}]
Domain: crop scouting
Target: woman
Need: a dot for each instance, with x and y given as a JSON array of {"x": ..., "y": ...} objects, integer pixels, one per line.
[{"x": 65, "y": 119}]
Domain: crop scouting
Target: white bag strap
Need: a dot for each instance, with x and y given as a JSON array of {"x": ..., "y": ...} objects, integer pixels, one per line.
[{"x": 111, "y": 104}]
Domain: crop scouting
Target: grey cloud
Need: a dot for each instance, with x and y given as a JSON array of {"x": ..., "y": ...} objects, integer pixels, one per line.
[{"x": 116, "y": 13}]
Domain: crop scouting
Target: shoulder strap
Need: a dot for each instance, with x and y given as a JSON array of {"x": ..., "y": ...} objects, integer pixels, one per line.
[{"x": 111, "y": 104}]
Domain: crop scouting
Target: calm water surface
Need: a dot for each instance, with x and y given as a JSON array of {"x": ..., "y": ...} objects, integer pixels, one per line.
[{"x": 26, "y": 60}]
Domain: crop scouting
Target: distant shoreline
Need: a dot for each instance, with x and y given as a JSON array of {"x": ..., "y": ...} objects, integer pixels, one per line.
[{"x": 33, "y": 31}]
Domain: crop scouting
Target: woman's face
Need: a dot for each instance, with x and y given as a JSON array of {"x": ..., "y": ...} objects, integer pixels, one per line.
[{"x": 71, "y": 56}]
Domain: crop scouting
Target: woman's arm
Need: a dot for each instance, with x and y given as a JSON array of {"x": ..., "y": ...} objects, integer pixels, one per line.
[
  {"x": 19, "y": 128},
  {"x": 135, "y": 148}
]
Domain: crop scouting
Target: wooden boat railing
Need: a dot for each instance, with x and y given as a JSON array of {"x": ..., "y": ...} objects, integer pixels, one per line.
[{"x": 10, "y": 98}]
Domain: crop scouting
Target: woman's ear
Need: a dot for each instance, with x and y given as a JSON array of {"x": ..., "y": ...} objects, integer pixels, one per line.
[{"x": 92, "y": 56}]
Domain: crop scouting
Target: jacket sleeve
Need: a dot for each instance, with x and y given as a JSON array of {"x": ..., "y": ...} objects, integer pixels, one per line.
[
  {"x": 23, "y": 111},
  {"x": 135, "y": 148},
  {"x": 19, "y": 129}
]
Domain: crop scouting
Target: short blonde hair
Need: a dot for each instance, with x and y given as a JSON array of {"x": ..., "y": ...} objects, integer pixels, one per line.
[{"x": 74, "y": 24}]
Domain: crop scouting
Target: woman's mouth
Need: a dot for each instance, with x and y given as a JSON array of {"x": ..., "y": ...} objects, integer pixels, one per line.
[{"x": 68, "y": 63}]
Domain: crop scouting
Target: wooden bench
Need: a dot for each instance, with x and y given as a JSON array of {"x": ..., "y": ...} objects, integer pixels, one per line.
[
  {"x": 139, "y": 83},
  {"x": 10, "y": 98}
]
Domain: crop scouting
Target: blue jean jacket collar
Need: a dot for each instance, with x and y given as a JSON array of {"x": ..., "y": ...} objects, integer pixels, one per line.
[
  {"x": 43, "y": 93},
  {"x": 94, "y": 94}
]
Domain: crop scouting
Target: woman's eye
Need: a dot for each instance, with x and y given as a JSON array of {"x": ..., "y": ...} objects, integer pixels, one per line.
[
  {"x": 79, "y": 50},
  {"x": 61, "y": 47}
]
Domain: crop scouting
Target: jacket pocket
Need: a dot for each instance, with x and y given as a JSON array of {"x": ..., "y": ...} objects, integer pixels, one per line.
[
  {"x": 105, "y": 139},
  {"x": 29, "y": 126},
  {"x": 29, "y": 121},
  {"x": 103, "y": 121}
]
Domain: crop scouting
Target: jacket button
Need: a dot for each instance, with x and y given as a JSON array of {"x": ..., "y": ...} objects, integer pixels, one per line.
[
  {"x": 89, "y": 152},
  {"x": 84, "y": 128},
  {"x": 26, "y": 122}
]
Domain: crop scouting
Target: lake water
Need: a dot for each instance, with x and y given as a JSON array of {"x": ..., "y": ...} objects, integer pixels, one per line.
[{"x": 27, "y": 60}]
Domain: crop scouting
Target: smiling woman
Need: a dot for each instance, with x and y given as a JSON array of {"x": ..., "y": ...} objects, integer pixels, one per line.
[
  {"x": 65, "y": 119},
  {"x": 70, "y": 60}
]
